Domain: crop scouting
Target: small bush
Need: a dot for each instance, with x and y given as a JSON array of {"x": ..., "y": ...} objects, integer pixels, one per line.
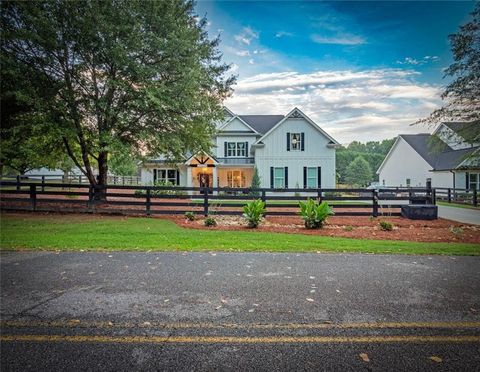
[
  {"x": 190, "y": 216},
  {"x": 455, "y": 230},
  {"x": 386, "y": 226},
  {"x": 253, "y": 212},
  {"x": 210, "y": 222},
  {"x": 314, "y": 214},
  {"x": 348, "y": 228},
  {"x": 160, "y": 192}
]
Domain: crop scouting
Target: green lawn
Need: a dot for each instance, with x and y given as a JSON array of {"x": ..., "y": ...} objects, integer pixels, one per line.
[{"x": 121, "y": 233}]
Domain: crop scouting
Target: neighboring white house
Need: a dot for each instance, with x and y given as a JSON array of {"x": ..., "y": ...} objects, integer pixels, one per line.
[
  {"x": 289, "y": 151},
  {"x": 412, "y": 162}
]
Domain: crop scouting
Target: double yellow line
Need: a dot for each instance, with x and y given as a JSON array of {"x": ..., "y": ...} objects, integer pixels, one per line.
[
  {"x": 238, "y": 340},
  {"x": 243, "y": 339}
]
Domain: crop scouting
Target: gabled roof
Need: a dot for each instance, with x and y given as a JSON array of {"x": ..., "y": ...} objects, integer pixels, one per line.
[
  {"x": 261, "y": 123},
  {"x": 465, "y": 127},
  {"x": 297, "y": 113},
  {"x": 419, "y": 142},
  {"x": 445, "y": 160},
  {"x": 242, "y": 121}
]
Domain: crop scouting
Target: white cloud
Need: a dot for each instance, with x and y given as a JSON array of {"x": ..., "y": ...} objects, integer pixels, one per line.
[
  {"x": 421, "y": 61},
  {"x": 246, "y": 36},
  {"x": 362, "y": 105},
  {"x": 242, "y": 53},
  {"x": 233, "y": 67},
  {"x": 341, "y": 39},
  {"x": 251, "y": 61},
  {"x": 283, "y": 34}
]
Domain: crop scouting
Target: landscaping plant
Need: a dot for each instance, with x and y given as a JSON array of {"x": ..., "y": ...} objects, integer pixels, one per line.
[
  {"x": 210, "y": 222},
  {"x": 314, "y": 214},
  {"x": 190, "y": 216},
  {"x": 386, "y": 226},
  {"x": 253, "y": 212}
]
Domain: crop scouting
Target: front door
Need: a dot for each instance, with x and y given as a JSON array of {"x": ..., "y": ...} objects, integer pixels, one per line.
[{"x": 204, "y": 180}]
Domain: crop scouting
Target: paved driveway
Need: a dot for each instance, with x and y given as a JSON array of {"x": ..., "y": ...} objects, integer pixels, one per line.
[
  {"x": 464, "y": 215},
  {"x": 253, "y": 311}
]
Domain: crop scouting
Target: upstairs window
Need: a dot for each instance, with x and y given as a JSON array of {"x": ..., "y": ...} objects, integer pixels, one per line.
[
  {"x": 236, "y": 149},
  {"x": 408, "y": 181},
  {"x": 295, "y": 141}
]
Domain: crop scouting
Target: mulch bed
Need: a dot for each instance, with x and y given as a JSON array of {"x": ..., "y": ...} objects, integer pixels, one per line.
[{"x": 353, "y": 227}]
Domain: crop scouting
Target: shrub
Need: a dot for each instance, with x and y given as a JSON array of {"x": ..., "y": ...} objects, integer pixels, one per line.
[
  {"x": 314, "y": 214},
  {"x": 348, "y": 228},
  {"x": 386, "y": 226},
  {"x": 455, "y": 230},
  {"x": 256, "y": 183},
  {"x": 253, "y": 212},
  {"x": 210, "y": 222},
  {"x": 190, "y": 216},
  {"x": 160, "y": 192}
]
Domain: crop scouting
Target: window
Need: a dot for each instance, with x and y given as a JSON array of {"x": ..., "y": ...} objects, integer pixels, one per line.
[
  {"x": 235, "y": 178},
  {"x": 295, "y": 141},
  {"x": 238, "y": 149},
  {"x": 231, "y": 148},
  {"x": 408, "y": 181},
  {"x": 241, "y": 149},
  {"x": 279, "y": 178},
  {"x": 474, "y": 181},
  {"x": 312, "y": 174},
  {"x": 165, "y": 175},
  {"x": 383, "y": 182}
]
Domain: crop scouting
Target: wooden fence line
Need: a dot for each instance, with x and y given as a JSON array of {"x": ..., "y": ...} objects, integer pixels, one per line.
[{"x": 351, "y": 202}]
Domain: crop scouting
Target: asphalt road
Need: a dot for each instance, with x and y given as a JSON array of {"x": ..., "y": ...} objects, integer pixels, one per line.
[{"x": 219, "y": 311}]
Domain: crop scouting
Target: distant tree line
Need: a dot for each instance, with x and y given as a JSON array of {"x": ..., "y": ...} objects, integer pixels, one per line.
[{"x": 358, "y": 162}]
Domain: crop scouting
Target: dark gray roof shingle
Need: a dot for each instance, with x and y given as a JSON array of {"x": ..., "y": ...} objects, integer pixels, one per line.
[
  {"x": 445, "y": 160},
  {"x": 261, "y": 123}
]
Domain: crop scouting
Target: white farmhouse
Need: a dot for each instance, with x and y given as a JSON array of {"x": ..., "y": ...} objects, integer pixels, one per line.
[
  {"x": 289, "y": 151},
  {"x": 413, "y": 160}
]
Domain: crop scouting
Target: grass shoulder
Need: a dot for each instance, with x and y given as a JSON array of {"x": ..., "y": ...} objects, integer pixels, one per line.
[{"x": 37, "y": 232}]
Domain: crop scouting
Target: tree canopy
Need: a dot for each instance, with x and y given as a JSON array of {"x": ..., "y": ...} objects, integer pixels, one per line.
[
  {"x": 358, "y": 172},
  {"x": 144, "y": 74},
  {"x": 462, "y": 94}
]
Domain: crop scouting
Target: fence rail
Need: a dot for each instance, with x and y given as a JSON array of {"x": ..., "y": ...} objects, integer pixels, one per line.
[
  {"x": 150, "y": 200},
  {"x": 46, "y": 179},
  {"x": 459, "y": 196}
]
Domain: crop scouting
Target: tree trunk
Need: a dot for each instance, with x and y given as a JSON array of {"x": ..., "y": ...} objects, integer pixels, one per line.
[{"x": 101, "y": 191}]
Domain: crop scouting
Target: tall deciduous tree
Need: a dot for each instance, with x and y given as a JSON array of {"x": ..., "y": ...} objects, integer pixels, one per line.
[
  {"x": 143, "y": 73},
  {"x": 462, "y": 94},
  {"x": 359, "y": 172}
]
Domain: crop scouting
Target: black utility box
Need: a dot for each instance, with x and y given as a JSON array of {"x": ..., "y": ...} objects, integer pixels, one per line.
[{"x": 420, "y": 211}]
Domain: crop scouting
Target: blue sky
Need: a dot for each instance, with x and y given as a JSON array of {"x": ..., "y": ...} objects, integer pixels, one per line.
[{"x": 361, "y": 70}]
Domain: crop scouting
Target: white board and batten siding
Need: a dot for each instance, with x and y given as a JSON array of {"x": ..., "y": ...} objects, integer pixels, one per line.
[
  {"x": 404, "y": 162},
  {"x": 274, "y": 153}
]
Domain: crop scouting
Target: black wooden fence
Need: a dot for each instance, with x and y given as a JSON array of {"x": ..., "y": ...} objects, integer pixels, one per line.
[
  {"x": 152, "y": 200},
  {"x": 459, "y": 196}
]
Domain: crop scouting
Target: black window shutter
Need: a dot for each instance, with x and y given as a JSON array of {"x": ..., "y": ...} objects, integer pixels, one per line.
[
  {"x": 288, "y": 141},
  {"x": 467, "y": 180},
  {"x": 178, "y": 177},
  {"x": 271, "y": 177},
  {"x": 154, "y": 175},
  {"x": 246, "y": 149},
  {"x": 319, "y": 177},
  {"x": 304, "y": 177},
  {"x": 225, "y": 143},
  {"x": 286, "y": 177},
  {"x": 302, "y": 141}
]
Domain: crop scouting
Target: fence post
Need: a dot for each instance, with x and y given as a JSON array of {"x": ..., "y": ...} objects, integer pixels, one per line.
[
  {"x": 18, "y": 182},
  {"x": 475, "y": 198},
  {"x": 375, "y": 203},
  {"x": 319, "y": 195},
  {"x": 90, "y": 197},
  {"x": 33, "y": 196},
  {"x": 43, "y": 183},
  {"x": 205, "y": 201},
  {"x": 434, "y": 196},
  {"x": 149, "y": 202},
  {"x": 449, "y": 195}
]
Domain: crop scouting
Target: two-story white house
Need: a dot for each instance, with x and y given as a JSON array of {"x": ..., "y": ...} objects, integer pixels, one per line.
[{"x": 288, "y": 151}]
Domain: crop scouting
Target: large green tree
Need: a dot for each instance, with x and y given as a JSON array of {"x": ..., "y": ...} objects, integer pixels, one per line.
[
  {"x": 141, "y": 73},
  {"x": 358, "y": 172},
  {"x": 462, "y": 94}
]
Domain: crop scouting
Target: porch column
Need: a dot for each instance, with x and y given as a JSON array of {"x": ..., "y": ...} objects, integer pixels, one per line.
[
  {"x": 215, "y": 179},
  {"x": 189, "y": 179}
]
